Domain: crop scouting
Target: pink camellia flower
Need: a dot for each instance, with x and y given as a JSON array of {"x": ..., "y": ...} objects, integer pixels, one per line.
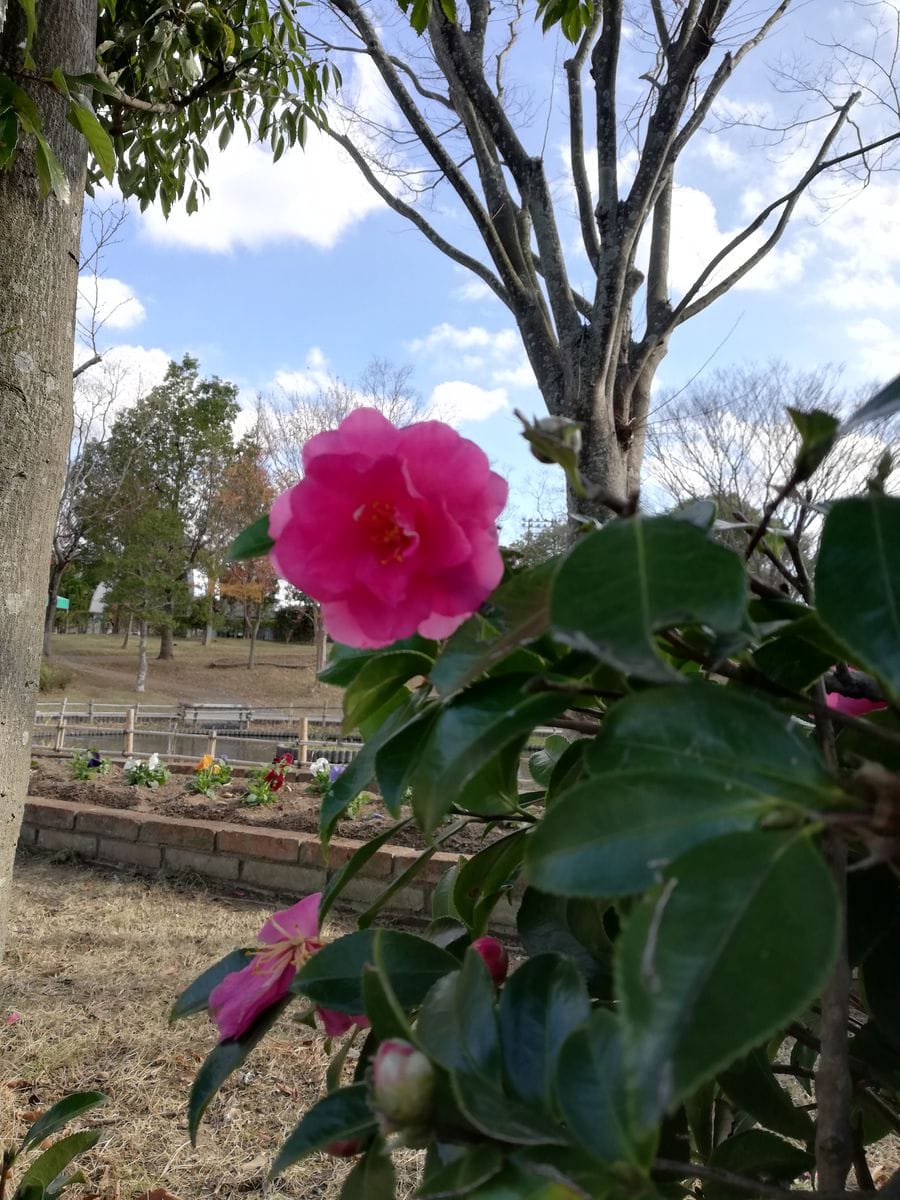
[
  {"x": 402, "y": 1084},
  {"x": 495, "y": 957},
  {"x": 853, "y": 706},
  {"x": 391, "y": 530},
  {"x": 287, "y": 940}
]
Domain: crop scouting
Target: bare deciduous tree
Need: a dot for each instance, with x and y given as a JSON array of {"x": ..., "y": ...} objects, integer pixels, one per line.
[{"x": 642, "y": 81}]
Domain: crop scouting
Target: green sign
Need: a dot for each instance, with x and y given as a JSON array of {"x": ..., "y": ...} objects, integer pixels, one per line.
[{"x": 62, "y": 602}]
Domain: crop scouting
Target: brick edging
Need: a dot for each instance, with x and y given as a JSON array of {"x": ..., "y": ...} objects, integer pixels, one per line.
[{"x": 279, "y": 861}]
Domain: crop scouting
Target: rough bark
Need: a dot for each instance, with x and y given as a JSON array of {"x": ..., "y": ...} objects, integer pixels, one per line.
[
  {"x": 38, "y": 280},
  {"x": 209, "y": 635},
  {"x": 166, "y": 642},
  {"x": 141, "y": 680},
  {"x": 127, "y": 632}
]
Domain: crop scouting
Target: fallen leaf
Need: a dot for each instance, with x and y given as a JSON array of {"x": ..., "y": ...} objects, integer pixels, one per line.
[{"x": 17, "y": 1085}]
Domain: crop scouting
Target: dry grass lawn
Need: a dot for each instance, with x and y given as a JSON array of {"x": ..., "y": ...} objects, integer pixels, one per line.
[
  {"x": 102, "y": 670},
  {"x": 94, "y": 961}
]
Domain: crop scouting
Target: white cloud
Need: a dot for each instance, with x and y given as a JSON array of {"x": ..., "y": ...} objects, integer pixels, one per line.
[
  {"x": 123, "y": 375},
  {"x": 493, "y": 356},
  {"x": 107, "y": 302},
  {"x": 878, "y": 354},
  {"x": 314, "y": 376},
  {"x": 458, "y": 401},
  {"x": 473, "y": 290}
]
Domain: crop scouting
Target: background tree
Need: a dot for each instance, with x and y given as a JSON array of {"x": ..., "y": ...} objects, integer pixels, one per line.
[
  {"x": 254, "y": 586},
  {"x": 65, "y": 67},
  {"x": 641, "y": 80}
]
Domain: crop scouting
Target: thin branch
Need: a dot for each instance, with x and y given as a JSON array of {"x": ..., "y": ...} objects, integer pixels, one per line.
[
  {"x": 86, "y": 365},
  {"x": 573, "y": 68}
]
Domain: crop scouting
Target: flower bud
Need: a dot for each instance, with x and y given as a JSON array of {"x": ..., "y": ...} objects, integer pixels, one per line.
[
  {"x": 495, "y": 957},
  {"x": 344, "y": 1149},
  {"x": 403, "y": 1083}
]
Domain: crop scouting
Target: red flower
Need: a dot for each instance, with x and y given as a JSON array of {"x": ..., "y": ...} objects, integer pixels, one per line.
[{"x": 275, "y": 780}]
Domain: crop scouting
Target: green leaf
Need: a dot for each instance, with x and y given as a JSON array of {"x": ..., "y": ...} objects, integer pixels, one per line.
[
  {"x": 543, "y": 761},
  {"x": 752, "y": 1086},
  {"x": 9, "y": 136},
  {"x": 644, "y": 575},
  {"x": 818, "y": 432},
  {"x": 883, "y": 404},
  {"x": 556, "y": 924},
  {"x": 482, "y": 880},
  {"x": 372, "y": 1178},
  {"x": 333, "y": 975},
  {"x": 98, "y": 139},
  {"x": 609, "y": 835},
  {"x": 27, "y": 7},
  {"x": 195, "y": 997},
  {"x": 793, "y": 658},
  {"x": 395, "y": 761},
  {"x": 59, "y": 1115},
  {"x": 225, "y": 1058},
  {"x": 355, "y": 864},
  {"x": 50, "y": 173},
  {"x": 701, "y": 984},
  {"x": 590, "y": 1088},
  {"x": 858, "y": 583},
  {"x": 47, "y": 1166},
  {"x": 386, "y": 1017},
  {"x": 717, "y": 732},
  {"x": 457, "y": 1025},
  {"x": 252, "y": 542},
  {"x": 468, "y": 733},
  {"x": 460, "y": 1176},
  {"x": 756, "y": 1155},
  {"x": 483, "y": 1103},
  {"x": 377, "y": 682},
  {"x": 337, "y": 1117},
  {"x": 345, "y": 662},
  {"x": 540, "y": 1005}
]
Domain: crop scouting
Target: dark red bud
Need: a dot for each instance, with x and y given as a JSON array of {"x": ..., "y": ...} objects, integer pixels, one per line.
[{"x": 495, "y": 957}]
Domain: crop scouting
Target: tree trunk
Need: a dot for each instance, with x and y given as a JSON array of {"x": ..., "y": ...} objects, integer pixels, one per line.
[
  {"x": 38, "y": 280},
  {"x": 209, "y": 635},
  {"x": 56, "y": 574},
  {"x": 127, "y": 632},
  {"x": 254, "y": 630},
  {"x": 142, "y": 658},
  {"x": 167, "y": 642}
]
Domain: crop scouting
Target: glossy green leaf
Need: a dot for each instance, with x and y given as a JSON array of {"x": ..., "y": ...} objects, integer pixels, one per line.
[
  {"x": 51, "y": 175},
  {"x": 468, "y": 733},
  {"x": 884, "y": 403},
  {"x": 497, "y": 1115},
  {"x": 818, "y": 431},
  {"x": 717, "y": 732},
  {"x": 395, "y": 761},
  {"x": 85, "y": 120},
  {"x": 700, "y": 1111},
  {"x": 457, "y": 1025},
  {"x": 493, "y": 791},
  {"x": 609, "y": 835},
  {"x": 644, "y": 575},
  {"x": 481, "y": 880},
  {"x": 542, "y": 762},
  {"x": 858, "y": 583},
  {"x": 555, "y": 924},
  {"x": 701, "y": 984},
  {"x": 377, "y": 682},
  {"x": 225, "y": 1058},
  {"x": 751, "y": 1085},
  {"x": 373, "y": 1176},
  {"x": 337, "y": 1117},
  {"x": 252, "y": 542},
  {"x": 590, "y": 1088},
  {"x": 346, "y": 662},
  {"x": 9, "y": 136},
  {"x": 756, "y": 1154},
  {"x": 798, "y": 655},
  {"x": 28, "y": 9},
  {"x": 195, "y": 997},
  {"x": 355, "y": 864},
  {"x": 60, "y": 1114},
  {"x": 47, "y": 1166},
  {"x": 333, "y": 975},
  {"x": 460, "y": 1176},
  {"x": 540, "y": 1005},
  {"x": 386, "y": 1017}
]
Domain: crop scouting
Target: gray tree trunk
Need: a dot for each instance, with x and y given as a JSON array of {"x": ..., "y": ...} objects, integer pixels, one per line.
[
  {"x": 142, "y": 658},
  {"x": 38, "y": 281},
  {"x": 128, "y": 625},
  {"x": 167, "y": 642}
]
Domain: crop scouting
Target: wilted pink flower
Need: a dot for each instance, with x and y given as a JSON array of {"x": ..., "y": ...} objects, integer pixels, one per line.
[
  {"x": 288, "y": 939},
  {"x": 402, "y": 1083},
  {"x": 495, "y": 957},
  {"x": 854, "y": 706},
  {"x": 13, "y": 1018},
  {"x": 391, "y": 530}
]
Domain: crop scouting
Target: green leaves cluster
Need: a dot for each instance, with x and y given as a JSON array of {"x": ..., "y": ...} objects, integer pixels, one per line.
[
  {"x": 46, "y": 1175},
  {"x": 672, "y": 851}
]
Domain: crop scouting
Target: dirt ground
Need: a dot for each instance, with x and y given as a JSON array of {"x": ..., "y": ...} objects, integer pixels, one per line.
[
  {"x": 102, "y": 670},
  {"x": 297, "y": 806},
  {"x": 94, "y": 960}
]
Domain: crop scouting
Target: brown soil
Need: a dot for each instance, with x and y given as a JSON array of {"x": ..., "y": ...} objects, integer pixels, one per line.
[{"x": 297, "y": 805}]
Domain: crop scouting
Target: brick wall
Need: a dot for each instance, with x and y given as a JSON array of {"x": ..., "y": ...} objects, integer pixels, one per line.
[{"x": 276, "y": 861}]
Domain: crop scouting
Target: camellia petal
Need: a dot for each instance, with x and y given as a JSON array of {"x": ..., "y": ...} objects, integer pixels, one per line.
[{"x": 391, "y": 530}]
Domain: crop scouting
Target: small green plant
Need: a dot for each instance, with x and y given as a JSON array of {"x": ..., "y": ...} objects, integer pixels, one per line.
[
  {"x": 210, "y": 774},
  {"x": 54, "y": 676},
  {"x": 150, "y": 774},
  {"x": 46, "y": 1176},
  {"x": 87, "y": 764}
]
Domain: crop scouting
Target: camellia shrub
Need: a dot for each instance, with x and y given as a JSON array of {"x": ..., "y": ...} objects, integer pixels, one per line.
[{"x": 704, "y": 859}]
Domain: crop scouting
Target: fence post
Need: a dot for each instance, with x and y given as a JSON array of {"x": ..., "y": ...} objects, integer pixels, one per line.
[
  {"x": 60, "y": 732},
  {"x": 128, "y": 738},
  {"x": 91, "y": 711},
  {"x": 303, "y": 754},
  {"x": 211, "y": 748}
]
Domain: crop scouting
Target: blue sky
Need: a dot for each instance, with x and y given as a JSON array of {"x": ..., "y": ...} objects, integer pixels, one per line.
[{"x": 295, "y": 270}]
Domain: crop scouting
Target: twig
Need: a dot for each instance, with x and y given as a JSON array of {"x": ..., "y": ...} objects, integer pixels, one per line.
[{"x": 690, "y": 1170}]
